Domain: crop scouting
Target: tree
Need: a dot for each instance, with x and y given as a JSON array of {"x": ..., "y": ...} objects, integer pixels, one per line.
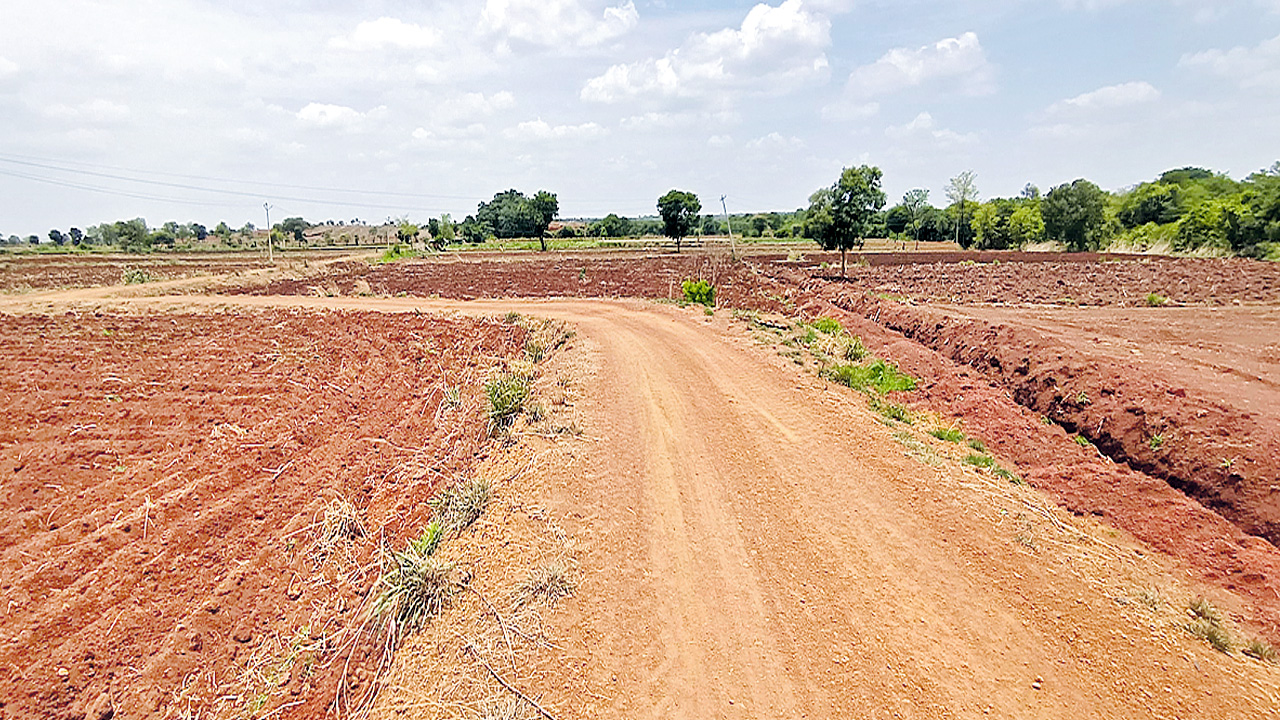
[
  {"x": 710, "y": 225},
  {"x": 1075, "y": 215},
  {"x": 406, "y": 231},
  {"x": 513, "y": 215},
  {"x": 295, "y": 226},
  {"x": 897, "y": 220},
  {"x": 447, "y": 233},
  {"x": 547, "y": 207},
  {"x": 839, "y": 216},
  {"x": 201, "y": 232},
  {"x": 474, "y": 231},
  {"x": 679, "y": 210},
  {"x": 223, "y": 231},
  {"x": 915, "y": 202},
  {"x": 614, "y": 225},
  {"x": 962, "y": 190},
  {"x": 433, "y": 228},
  {"x": 76, "y": 235},
  {"x": 57, "y": 237}
]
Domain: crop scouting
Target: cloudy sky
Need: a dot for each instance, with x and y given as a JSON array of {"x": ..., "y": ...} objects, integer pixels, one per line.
[{"x": 205, "y": 109}]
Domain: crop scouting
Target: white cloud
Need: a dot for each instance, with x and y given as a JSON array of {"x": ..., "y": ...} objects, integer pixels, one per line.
[
  {"x": 387, "y": 32},
  {"x": 337, "y": 116},
  {"x": 7, "y": 67},
  {"x": 541, "y": 130},
  {"x": 1110, "y": 97},
  {"x": 774, "y": 50},
  {"x": 96, "y": 112},
  {"x": 775, "y": 141},
  {"x": 960, "y": 61},
  {"x": 720, "y": 140},
  {"x": 555, "y": 23},
  {"x": 1249, "y": 67},
  {"x": 923, "y": 126},
  {"x": 471, "y": 106}
]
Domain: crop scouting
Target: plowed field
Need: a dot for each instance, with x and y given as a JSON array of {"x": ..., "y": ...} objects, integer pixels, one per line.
[{"x": 165, "y": 481}]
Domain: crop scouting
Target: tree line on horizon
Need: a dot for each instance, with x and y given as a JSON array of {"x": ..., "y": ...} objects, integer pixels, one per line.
[{"x": 1185, "y": 210}]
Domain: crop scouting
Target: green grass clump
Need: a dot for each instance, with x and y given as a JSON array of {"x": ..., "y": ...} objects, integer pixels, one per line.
[
  {"x": 1206, "y": 624},
  {"x": 893, "y": 411},
  {"x": 506, "y": 393},
  {"x": 1156, "y": 300},
  {"x": 880, "y": 376},
  {"x": 413, "y": 589},
  {"x": 397, "y": 252},
  {"x": 428, "y": 542},
  {"x": 827, "y": 325},
  {"x": 699, "y": 291},
  {"x": 978, "y": 445},
  {"x": 947, "y": 434},
  {"x": 980, "y": 461},
  {"x": 1083, "y": 441},
  {"x": 1156, "y": 441}
]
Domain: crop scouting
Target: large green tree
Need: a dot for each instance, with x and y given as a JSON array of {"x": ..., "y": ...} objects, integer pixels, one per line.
[
  {"x": 839, "y": 216},
  {"x": 679, "y": 210},
  {"x": 1075, "y": 215},
  {"x": 915, "y": 201},
  {"x": 512, "y": 214}
]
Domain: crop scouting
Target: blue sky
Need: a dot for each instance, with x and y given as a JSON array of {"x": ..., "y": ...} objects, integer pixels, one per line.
[{"x": 201, "y": 110}]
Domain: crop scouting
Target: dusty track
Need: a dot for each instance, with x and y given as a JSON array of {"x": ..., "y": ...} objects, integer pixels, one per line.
[{"x": 754, "y": 543}]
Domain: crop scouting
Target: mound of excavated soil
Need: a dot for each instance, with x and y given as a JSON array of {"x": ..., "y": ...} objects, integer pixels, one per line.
[{"x": 163, "y": 477}]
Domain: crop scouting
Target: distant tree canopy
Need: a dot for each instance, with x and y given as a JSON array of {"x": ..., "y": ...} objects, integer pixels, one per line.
[
  {"x": 1075, "y": 215},
  {"x": 679, "y": 210},
  {"x": 511, "y": 214},
  {"x": 840, "y": 216},
  {"x": 295, "y": 226}
]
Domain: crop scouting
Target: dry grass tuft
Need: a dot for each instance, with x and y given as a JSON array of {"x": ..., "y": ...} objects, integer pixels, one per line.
[
  {"x": 415, "y": 588},
  {"x": 457, "y": 506},
  {"x": 339, "y": 523},
  {"x": 545, "y": 585},
  {"x": 507, "y": 709},
  {"x": 1261, "y": 650}
]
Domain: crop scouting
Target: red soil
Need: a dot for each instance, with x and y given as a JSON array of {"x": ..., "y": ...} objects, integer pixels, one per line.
[
  {"x": 48, "y": 272},
  {"x": 162, "y": 478}
]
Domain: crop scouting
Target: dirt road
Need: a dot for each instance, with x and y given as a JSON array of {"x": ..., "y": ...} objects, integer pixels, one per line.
[{"x": 754, "y": 543}]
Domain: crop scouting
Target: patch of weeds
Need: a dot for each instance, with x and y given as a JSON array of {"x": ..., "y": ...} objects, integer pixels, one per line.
[
  {"x": 511, "y": 318},
  {"x": 1156, "y": 300},
  {"x": 1226, "y": 463},
  {"x": 892, "y": 411},
  {"x": 1260, "y": 650},
  {"x": 545, "y": 585},
  {"x": 916, "y": 449},
  {"x": 980, "y": 461},
  {"x": 1206, "y": 624},
  {"x": 1083, "y": 441},
  {"x": 535, "y": 410},
  {"x": 135, "y": 276},
  {"x": 880, "y": 376},
  {"x": 978, "y": 445},
  {"x": 397, "y": 252},
  {"x": 708, "y": 312},
  {"x": 459, "y": 505},
  {"x": 827, "y": 325},
  {"x": 428, "y": 542},
  {"x": 1156, "y": 441},
  {"x": 534, "y": 351},
  {"x": 1008, "y": 476},
  {"x": 507, "y": 393},
  {"x": 1082, "y": 398},
  {"x": 699, "y": 291},
  {"x": 947, "y": 434},
  {"x": 413, "y": 589},
  {"x": 1151, "y": 599}
]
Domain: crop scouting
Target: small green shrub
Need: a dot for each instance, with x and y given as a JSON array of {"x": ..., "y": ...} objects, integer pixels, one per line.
[
  {"x": 1083, "y": 441},
  {"x": 976, "y": 444},
  {"x": 1156, "y": 300},
  {"x": 893, "y": 411},
  {"x": 506, "y": 393},
  {"x": 135, "y": 276},
  {"x": 1156, "y": 441},
  {"x": 827, "y": 325},
  {"x": 880, "y": 376},
  {"x": 699, "y": 291},
  {"x": 947, "y": 434},
  {"x": 428, "y": 542}
]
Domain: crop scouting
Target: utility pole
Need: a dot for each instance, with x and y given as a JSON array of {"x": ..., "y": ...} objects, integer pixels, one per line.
[
  {"x": 271, "y": 256},
  {"x": 733, "y": 250}
]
